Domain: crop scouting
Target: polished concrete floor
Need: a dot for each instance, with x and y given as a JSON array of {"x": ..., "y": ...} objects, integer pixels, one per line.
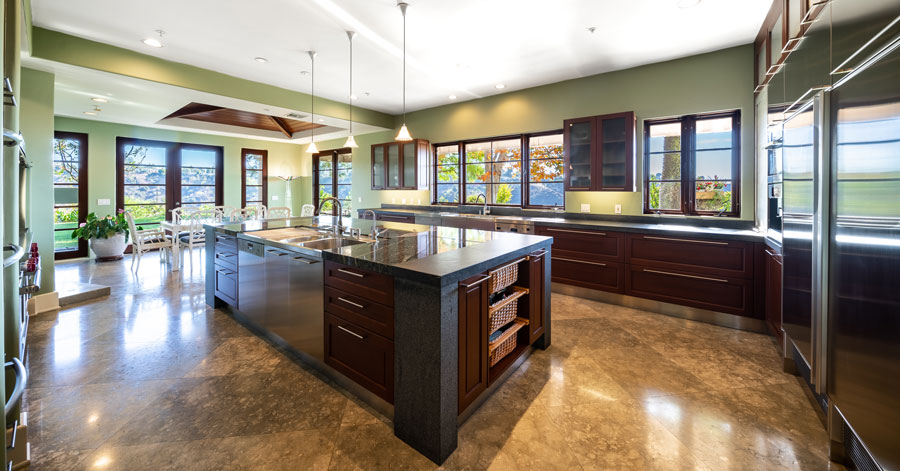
[{"x": 150, "y": 378}]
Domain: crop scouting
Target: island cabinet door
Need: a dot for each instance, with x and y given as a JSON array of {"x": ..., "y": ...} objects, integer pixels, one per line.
[
  {"x": 361, "y": 355},
  {"x": 536, "y": 315},
  {"x": 473, "y": 337}
]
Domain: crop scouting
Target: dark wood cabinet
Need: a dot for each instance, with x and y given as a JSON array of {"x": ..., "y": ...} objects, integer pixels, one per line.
[
  {"x": 715, "y": 293},
  {"x": 599, "y": 152},
  {"x": 361, "y": 355},
  {"x": 473, "y": 339},
  {"x": 537, "y": 317},
  {"x": 401, "y": 165},
  {"x": 603, "y": 276},
  {"x": 373, "y": 316},
  {"x": 585, "y": 244},
  {"x": 706, "y": 256},
  {"x": 376, "y": 287},
  {"x": 774, "y": 268}
]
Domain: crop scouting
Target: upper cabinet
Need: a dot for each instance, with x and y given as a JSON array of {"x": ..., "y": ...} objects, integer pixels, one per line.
[
  {"x": 599, "y": 153},
  {"x": 401, "y": 165}
]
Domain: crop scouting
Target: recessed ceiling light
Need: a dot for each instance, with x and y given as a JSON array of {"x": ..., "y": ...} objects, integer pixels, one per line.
[
  {"x": 100, "y": 100},
  {"x": 499, "y": 86},
  {"x": 261, "y": 60},
  {"x": 688, "y": 3},
  {"x": 152, "y": 42},
  {"x": 452, "y": 97},
  {"x": 353, "y": 97},
  {"x": 92, "y": 113},
  {"x": 321, "y": 120}
]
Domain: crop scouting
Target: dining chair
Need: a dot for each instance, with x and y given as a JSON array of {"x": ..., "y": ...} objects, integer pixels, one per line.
[
  {"x": 195, "y": 236},
  {"x": 278, "y": 212},
  {"x": 224, "y": 212},
  {"x": 145, "y": 240},
  {"x": 307, "y": 211},
  {"x": 256, "y": 211}
]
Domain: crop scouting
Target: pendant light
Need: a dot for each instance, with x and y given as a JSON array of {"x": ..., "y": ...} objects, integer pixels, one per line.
[
  {"x": 312, "y": 149},
  {"x": 403, "y": 135},
  {"x": 351, "y": 142}
]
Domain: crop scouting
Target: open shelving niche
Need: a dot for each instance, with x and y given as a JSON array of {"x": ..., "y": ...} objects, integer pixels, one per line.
[{"x": 523, "y": 314}]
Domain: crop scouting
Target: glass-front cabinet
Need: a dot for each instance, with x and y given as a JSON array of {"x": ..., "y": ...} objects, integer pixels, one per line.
[
  {"x": 401, "y": 165},
  {"x": 600, "y": 153}
]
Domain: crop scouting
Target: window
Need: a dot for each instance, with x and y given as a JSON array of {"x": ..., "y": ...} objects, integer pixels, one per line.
[
  {"x": 692, "y": 165},
  {"x": 69, "y": 193},
  {"x": 496, "y": 168},
  {"x": 155, "y": 177},
  {"x": 254, "y": 177},
  {"x": 333, "y": 172}
]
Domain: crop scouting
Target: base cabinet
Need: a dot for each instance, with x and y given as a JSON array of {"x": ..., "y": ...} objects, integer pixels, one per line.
[
  {"x": 721, "y": 294},
  {"x": 774, "y": 269},
  {"x": 473, "y": 353},
  {"x": 361, "y": 355}
]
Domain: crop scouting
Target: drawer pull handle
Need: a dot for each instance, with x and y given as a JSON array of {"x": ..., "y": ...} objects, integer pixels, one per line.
[
  {"x": 686, "y": 276},
  {"x": 578, "y": 261},
  {"x": 351, "y": 303},
  {"x": 224, "y": 254},
  {"x": 576, "y": 232},
  {"x": 225, "y": 272},
  {"x": 351, "y": 332},
  {"x": 348, "y": 272},
  {"x": 478, "y": 282},
  {"x": 687, "y": 240},
  {"x": 304, "y": 260}
]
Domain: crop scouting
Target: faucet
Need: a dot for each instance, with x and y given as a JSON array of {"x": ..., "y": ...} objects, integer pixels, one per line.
[
  {"x": 484, "y": 210},
  {"x": 339, "y": 227},
  {"x": 375, "y": 231}
]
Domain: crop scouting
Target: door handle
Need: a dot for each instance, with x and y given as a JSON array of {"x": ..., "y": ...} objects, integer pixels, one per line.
[
  {"x": 578, "y": 261},
  {"x": 348, "y": 272},
  {"x": 351, "y": 303},
  {"x": 304, "y": 260},
  {"x": 576, "y": 232},
  {"x": 478, "y": 282},
  {"x": 695, "y": 241},
  {"x": 681, "y": 275},
  {"x": 351, "y": 332}
]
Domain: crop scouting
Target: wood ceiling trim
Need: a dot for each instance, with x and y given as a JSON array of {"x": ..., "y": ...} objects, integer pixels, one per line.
[
  {"x": 240, "y": 118},
  {"x": 282, "y": 126}
]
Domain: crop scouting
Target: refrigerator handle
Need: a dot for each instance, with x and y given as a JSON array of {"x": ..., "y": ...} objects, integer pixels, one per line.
[{"x": 821, "y": 219}]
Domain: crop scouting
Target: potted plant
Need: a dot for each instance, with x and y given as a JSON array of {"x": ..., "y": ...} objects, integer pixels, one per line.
[{"x": 107, "y": 236}]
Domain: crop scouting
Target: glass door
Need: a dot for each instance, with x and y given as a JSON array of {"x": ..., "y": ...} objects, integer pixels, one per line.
[
  {"x": 614, "y": 166},
  {"x": 393, "y": 166},
  {"x": 378, "y": 165},
  {"x": 198, "y": 183},
  {"x": 69, "y": 193},
  {"x": 579, "y": 137}
]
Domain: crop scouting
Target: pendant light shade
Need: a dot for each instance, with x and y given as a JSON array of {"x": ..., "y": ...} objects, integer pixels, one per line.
[
  {"x": 312, "y": 149},
  {"x": 351, "y": 142},
  {"x": 403, "y": 135}
]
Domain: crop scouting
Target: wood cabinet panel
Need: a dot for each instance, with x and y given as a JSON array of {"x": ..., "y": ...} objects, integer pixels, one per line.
[
  {"x": 585, "y": 243},
  {"x": 373, "y": 286},
  {"x": 373, "y": 316},
  {"x": 599, "y": 152},
  {"x": 473, "y": 339},
  {"x": 715, "y": 293},
  {"x": 361, "y": 355},
  {"x": 604, "y": 276},
  {"x": 714, "y": 257},
  {"x": 774, "y": 269},
  {"x": 537, "y": 318},
  {"x": 401, "y": 165}
]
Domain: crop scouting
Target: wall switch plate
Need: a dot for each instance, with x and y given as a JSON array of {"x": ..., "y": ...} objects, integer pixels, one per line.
[
  {"x": 103, "y": 202},
  {"x": 274, "y": 197},
  {"x": 618, "y": 209},
  {"x": 403, "y": 200},
  {"x": 419, "y": 202},
  {"x": 585, "y": 207},
  {"x": 359, "y": 199}
]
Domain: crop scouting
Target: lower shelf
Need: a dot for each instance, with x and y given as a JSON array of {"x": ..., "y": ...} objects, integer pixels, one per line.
[{"x": 497, "y": 370}]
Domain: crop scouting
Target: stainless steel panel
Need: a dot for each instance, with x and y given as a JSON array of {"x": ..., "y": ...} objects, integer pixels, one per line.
[
  {"x": 252, "y": 281},
  {"x": 305, "y": 328}
]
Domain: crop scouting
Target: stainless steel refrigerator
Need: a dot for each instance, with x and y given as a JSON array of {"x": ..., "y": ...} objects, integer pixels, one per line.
[{"x": 841, "y": 237}]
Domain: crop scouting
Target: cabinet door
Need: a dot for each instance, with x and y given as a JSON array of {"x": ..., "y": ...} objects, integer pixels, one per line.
[
  {"x": 473, "y": 339},
  {"x": 378, "y": 168},
  {"x": 773, "y": 293},
  {"x": 536, "y": 315},
  {"x": 720, "y": 294},
  {"x": 578, "y": 137},
  {"x": 408, "y": 164},
  {"x": 361, "y": 355},
  {"x": 616, "y": 149},
  {"x": 393, "y": 166}
]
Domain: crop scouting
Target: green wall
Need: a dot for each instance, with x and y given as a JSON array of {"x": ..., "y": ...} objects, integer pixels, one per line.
[
  {"x": 284, "y": 159},
  {"x": 715, "y": 81},
  {"x": 36, "y": 122}
]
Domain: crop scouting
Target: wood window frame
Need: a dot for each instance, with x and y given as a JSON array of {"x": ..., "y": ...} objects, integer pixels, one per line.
[
  {"x": 688, "y": 164},
  {"x": 265, "y": 175},
  {"x": 461, "y": 147},
  {"x": 173, "y": 169},
  {"x": 82, "y": 139},
  {"x": 333, "y": 154}
]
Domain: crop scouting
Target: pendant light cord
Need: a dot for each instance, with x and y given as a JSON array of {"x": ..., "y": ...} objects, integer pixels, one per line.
[
  {"x": 350, "y": 98},
  {"x": 404, "y": 65},
  {"x": 312, "y": 98}
]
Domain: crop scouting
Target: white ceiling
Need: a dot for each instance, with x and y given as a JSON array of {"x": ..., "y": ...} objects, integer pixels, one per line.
[{"x": 459, "y": 47}]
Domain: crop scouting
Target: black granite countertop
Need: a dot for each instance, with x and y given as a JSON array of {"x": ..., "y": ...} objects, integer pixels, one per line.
[
  {"x": 645, "y": 224},
  {"x": 432, "y": 254}
]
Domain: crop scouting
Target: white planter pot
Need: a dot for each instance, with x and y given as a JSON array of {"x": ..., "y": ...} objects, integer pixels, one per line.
[{"x": 112, "y": 247}]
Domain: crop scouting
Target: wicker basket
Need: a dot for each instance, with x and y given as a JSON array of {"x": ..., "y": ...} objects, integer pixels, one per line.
[
  {"x": 506, "y": 343},
  {"x": 503, "y": 276},
  {"x": 504, "y": 311}
]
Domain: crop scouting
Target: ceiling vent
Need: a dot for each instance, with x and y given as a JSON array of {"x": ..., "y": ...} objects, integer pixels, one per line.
[{"x": 295, "y": 116}]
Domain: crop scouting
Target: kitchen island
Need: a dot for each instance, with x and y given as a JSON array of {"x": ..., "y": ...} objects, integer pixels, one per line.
[{"x": 422, "y": 322}]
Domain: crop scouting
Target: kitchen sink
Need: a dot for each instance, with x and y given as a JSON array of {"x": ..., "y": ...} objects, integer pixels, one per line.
[
  {"x": 328, "y": 244},
  {"x": 300, "y": 240}
]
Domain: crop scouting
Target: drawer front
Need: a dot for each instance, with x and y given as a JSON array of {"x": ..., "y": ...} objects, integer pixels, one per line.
[
  {"x": 586, "y": 244},
  {"x": 226, "y": 243},
  {"x": 714, "y": 257},
  {"x": 361, "y": 355},
  {"x": 605, "y": 276},
  {"x": 369, "y": 285},
  {"x": 226, "y": 259},
  {"x": 715, "y": 293},
  {"x": 396, "y": 218},
  {"x": 226, "y": 285},
  {"x": 373, "y": 316}
]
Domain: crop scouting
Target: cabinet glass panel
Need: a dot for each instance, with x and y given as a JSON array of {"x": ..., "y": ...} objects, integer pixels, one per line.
[
  {"x": 615, "y": 150},
  {"x": 409, "y": 165},
  {"x": 378, "y": 167},
  {"x": 580, "y": 155},
  {"x": 393, "y": 166},
  {"x": 777, "y": 40}
]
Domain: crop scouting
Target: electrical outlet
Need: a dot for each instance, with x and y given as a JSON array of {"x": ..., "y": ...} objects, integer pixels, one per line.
[
  {"x": 359, "y": 199},
  {"x": 419, "y": 202},
  {"x": 618, "y": 209},
  {"x": 103, "y": 202},
  {"x": 585, "y": 207},
  {"x": 403, "y": 200}
]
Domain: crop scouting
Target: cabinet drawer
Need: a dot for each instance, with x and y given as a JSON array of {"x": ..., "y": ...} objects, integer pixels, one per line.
[
  {"x": 226, "y": 285},
  {"x": 226, "y": 243},
  {"x": 714, "y": 257},
  {"x": 226, "y": 259},
  {"x": 586, "y": 244},
  {"x": 396, "y": 218},
  {"x": 605, "y": 276},
  {"x": 361, "y": 355},
  {"x": 369, "y": 285},
  {"x": 373, "y": 316},
  {"x": 715, "y": 293}
]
